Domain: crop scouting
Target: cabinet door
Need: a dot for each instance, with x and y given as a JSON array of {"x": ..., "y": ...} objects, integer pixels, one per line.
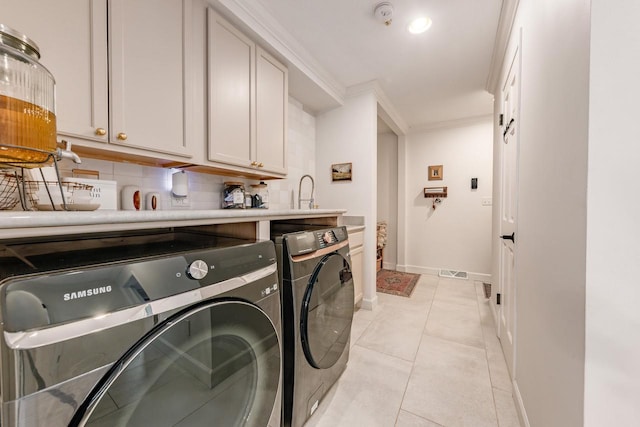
[
  {"x": 147, "y": 73},
  {"x": 231, "y": 94},
  {"x": 72, "y": 36},
  {"x": 271, "y": 113},
  {"x": 358, "y": 274}
]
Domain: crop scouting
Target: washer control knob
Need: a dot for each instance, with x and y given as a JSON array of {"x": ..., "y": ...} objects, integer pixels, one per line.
[{"x": 198, "y": 269}]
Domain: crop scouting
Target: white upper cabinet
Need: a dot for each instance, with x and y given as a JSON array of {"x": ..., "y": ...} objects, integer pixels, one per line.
[
  {"x": 147, "y": 40},
  {"x": 231, "y": 93},
  {"x": 118, "y": 80},
  {"x": 271, "y": 113},
  {"x": 72, "y": 36},
  {"x": 248, "y": 98}
]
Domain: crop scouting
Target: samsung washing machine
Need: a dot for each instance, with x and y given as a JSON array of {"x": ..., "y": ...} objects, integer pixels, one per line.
[
  {"x": 318, "y": 305},
  {"x": 155, "y": 328}
]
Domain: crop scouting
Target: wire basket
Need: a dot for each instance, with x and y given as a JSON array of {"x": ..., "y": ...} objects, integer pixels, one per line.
[
  {"x": 11, "y": 188},
  {"x": 9, "y": 197}
]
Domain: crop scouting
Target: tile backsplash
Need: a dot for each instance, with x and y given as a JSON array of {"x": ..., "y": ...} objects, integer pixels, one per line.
[{"x": 205, "y": 190}]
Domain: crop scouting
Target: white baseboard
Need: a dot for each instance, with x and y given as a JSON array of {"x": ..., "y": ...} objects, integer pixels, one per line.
[
  {"x": 432, "y": 271},
  {"x": 369, "y": 304},
  {"x": 517, "y": 399},
  {"x": 389, "y": 266},
  {"x": 480, "y": 277}
]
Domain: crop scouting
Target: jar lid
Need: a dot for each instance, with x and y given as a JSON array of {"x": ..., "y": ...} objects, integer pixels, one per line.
[
  {"x": 261, "y": 185},
  {"x": 17, "y": 40},
  {"x": 233, "y": 183}
]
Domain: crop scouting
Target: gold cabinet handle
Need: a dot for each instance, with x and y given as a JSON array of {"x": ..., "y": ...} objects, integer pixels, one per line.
[
  {"x": 254, "y": 163},
  {"x": 122, "y": 136},
  {"x": 101, "y": 131},
  {"x": 260, "y": 164}
]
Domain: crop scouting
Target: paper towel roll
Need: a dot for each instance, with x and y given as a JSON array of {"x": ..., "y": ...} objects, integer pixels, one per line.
[{"x": 180, "y": 184}]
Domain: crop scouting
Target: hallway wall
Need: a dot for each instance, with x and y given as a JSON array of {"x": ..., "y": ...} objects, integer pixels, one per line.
[
  {"x": 457, "y": 234},
  {"x": 348, "y": 135},
  {"x": 551, "y": 228},
  {"x": 612, "y": 355},
  {"x": 388, "y": 194}
]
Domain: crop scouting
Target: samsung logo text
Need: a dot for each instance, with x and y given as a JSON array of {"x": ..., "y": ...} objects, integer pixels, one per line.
[{"x": 87, "y": 293}]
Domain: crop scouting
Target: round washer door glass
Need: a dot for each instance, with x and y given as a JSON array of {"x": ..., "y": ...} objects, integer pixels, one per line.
[
  {"x": 212, "y": 363},
  {"x": 327, "y": 311}
]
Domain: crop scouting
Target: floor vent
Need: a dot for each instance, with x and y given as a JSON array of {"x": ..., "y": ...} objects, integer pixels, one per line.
[{"x": 454, "y": 274}]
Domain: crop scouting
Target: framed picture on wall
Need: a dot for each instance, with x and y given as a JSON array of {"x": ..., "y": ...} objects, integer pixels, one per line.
[
  {"x": 435, "y": 172},
  {"x": 341, "y": 172}
]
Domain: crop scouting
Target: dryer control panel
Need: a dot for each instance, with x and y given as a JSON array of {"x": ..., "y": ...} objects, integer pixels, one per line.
[{"x": 305, "y": 242}]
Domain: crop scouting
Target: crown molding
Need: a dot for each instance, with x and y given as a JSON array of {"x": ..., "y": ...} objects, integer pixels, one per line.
[
  {"x": 386, "y": 109},
  {"x": 466, "y": 121},
  {"x": 256, "y": 17},
  {"x": 503, "y": 34}
]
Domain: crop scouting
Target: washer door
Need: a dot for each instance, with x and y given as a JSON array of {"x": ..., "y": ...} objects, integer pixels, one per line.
[
  {"x": 327, "y": 311},
  {"x": 214, "y": 363}
]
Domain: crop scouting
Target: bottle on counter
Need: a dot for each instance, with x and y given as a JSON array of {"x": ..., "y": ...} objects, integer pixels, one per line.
[
  {"x": 260, "y": 195},
  {"x": 233, "y": 195}
]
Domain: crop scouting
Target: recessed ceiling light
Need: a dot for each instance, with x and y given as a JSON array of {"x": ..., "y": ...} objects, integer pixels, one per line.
[{"x": 420, "y": 25}]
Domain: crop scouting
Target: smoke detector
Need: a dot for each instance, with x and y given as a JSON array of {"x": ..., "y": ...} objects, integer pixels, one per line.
[{"x": 384, "y": 12}]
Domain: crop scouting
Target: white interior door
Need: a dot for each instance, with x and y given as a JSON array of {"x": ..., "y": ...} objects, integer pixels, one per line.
[{"x": 508, "y": 212}]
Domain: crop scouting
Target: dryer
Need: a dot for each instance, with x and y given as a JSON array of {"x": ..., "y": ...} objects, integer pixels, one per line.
[
  {"x": 162, "y": 327},
  {"x": 318, "y": 305}
]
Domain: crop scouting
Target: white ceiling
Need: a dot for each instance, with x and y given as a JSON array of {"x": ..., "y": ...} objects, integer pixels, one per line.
[{"x": 430, "y": 78}]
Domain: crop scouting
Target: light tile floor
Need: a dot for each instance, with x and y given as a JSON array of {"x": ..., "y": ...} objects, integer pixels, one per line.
[{"x": 431, "y": 360}]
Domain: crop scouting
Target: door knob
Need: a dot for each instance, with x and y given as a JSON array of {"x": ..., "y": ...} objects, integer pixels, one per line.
[
  {"x": 511, "y": 237},
  {"x": 122, "y": 136}
]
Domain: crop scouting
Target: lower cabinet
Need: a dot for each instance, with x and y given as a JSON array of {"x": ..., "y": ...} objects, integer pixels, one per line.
[{"x": 356, "y": 251}]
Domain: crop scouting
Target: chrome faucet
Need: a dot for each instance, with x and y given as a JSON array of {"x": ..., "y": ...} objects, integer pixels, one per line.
[{"x": 300, "y": 199}]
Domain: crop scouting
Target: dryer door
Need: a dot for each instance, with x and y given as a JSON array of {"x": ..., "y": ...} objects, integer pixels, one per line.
[
  {"x": 213, "y": 363},
  {"x": 327, "y": 311}
]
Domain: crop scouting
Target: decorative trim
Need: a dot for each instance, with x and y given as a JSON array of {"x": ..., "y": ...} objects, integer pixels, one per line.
[
  {"x": 467, "y": 121},
  {"x": 389, "y": 266},
  {"x": 386, "y": 109},
  {"x": 255, "y": 16},
  {"x": 522, "y": 413},
  {"x": 369, "y": 304},
  {"x": 481, "y": 277},
  {"x": 503, "y": 34}
]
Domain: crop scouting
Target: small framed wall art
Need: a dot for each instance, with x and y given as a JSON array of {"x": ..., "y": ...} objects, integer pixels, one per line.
[
  {"x": 435, "y": 172},
  {"x": 341, "y": 172}
]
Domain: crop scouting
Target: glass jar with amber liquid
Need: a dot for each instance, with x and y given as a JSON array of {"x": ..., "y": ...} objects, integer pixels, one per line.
[{"x": 27, "y": 101}]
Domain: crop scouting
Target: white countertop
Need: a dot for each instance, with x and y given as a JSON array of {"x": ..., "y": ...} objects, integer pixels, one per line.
[{"x": 27, "y": 224}]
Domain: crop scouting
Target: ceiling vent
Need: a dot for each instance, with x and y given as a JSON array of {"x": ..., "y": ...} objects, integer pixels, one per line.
[{"x": 384, "y": 12}]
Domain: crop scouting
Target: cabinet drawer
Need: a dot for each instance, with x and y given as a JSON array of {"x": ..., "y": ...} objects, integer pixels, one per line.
[{"x": 356, "y": 239}]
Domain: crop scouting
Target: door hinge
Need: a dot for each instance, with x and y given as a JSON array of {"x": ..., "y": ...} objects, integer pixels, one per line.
[
  {"x": 501, "y": 119},
  {"x": 497, "y": 299}
]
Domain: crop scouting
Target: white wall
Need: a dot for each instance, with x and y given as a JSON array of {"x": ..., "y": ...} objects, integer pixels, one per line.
[
  {"x": 205, "y": 190},
  {"x": 348, "y": 135},
  {"x": 550, "y": 234},
  {"x": 387, "y": 182},
  {"x": 457, "y": 234},
  {"x": 612, "y": 359}
]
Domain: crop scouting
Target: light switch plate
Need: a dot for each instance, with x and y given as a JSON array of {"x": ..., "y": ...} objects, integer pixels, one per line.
[{"x": 486, "y": 201}]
